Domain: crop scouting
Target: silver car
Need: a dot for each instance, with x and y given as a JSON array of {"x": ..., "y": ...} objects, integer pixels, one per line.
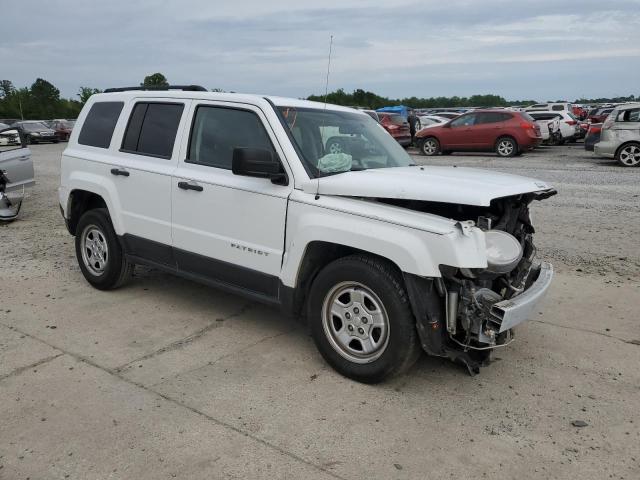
[
  {"x": 620, "y": 137},
  {"x": 16, "y": 172}
]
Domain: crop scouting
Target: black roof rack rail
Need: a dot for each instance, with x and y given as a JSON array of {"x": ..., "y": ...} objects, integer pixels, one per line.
[{"x": 186, "y": 88}]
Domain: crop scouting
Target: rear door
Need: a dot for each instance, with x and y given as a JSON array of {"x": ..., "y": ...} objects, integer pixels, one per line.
[
  {"x": 488, "y": 128},
  {"x": 15, "y": 160},
  {"x": 627, "y": 125}
]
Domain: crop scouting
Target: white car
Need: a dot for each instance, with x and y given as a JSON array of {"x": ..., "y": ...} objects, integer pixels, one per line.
[
  {"x": 549, "y": 127},
  {"x": 569, "y": 127},
  {"x": 431, "y": 120},
  {"x": 550, "y": 106},
  {"x": 382, "y": 258}
]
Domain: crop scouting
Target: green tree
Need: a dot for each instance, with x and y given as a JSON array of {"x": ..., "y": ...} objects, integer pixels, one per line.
[
  {"x": 155, "y": 80},
  {"x": 6, "y": 88},
  {"x": 86, "y": 92}
]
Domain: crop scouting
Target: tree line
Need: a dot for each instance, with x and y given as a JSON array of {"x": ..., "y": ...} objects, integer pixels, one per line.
[
  {"x": 361, "y": 98},
  {"x": 42, "y": 99}
]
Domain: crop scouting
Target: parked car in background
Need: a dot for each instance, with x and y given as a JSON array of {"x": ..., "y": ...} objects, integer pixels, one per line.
[
  {"x": 505, "y": 132},
  {"x": 449, "y": 115},
  {"x": 550, "y": 106},
  {"x": 620, "y": 136},
  {"x": 549, "y": 127},
  {"x": 569, "y": 128},
  {"x": 599, "y": 115},
  {"x": 36, "y": 132},
  {"x": 9, "y": 135},
  {"x": 593, "y": 136},
  {"x": 430, "y": 120},
  {"x": 16, "y": 174},
  {"x": 397, "y": 126},
  {"x": 63, "y": 128}
]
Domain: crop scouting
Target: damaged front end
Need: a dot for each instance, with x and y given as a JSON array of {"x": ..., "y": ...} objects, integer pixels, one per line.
[{"x": 471, "y": 312}]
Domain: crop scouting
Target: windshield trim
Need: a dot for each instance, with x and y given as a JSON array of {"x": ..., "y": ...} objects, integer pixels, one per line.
[{"x": 283, "y": 121}]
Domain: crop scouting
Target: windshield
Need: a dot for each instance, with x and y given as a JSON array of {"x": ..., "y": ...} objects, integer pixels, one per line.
[{"x": 331, "y": 142}]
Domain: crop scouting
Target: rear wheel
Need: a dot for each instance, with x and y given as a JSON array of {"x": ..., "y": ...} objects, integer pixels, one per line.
[
  {"x": 506, "y": 147},
  {"x": 429, "y": 146},
  {"x": 361, "y": 319},
  {"x": 99, "y": 253},
  {"x": 629, "y": 155}
]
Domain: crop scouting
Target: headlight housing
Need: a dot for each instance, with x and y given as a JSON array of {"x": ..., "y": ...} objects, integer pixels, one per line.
[{"x": 504, "y": 252}]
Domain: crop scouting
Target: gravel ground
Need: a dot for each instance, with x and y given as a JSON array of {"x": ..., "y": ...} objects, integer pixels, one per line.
[{"x": 165, "y": 378}]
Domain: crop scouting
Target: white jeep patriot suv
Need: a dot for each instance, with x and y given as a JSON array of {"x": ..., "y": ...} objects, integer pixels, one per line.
[{"x": 310, "y": 207}]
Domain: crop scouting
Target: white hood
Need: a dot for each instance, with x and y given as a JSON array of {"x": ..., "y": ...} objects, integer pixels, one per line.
[{"x": 467, "y": 186}]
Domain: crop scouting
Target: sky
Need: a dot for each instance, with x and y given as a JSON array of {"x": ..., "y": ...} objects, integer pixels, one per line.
[{"x": 520, "y": 49}]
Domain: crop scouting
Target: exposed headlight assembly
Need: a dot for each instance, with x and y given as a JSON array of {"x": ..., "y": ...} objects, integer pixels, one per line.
[{"x": 504, "y": 252}]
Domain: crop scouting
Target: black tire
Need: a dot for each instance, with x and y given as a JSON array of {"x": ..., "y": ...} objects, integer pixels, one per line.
[
  {"x": 117, "y": 270},
  {"x": 627, "y": 155},
  {"x": 56, "y": 141},
  {"x": 429, "y": 146},
  {"x": 401, "y": 348},
  {"x": 506, "y": 147}
]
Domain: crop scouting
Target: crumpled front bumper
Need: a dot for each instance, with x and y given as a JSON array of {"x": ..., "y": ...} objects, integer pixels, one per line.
[{"x": 516, "y": 310}]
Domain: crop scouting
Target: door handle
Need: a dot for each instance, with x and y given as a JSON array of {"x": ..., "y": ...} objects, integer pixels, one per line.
[
  {"x": 190, "y": 186},
  {"x": 119, "y": 171}
]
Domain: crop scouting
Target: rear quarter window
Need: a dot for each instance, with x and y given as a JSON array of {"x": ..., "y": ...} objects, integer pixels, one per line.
[
  {"x": 99, "y": 124},
  {"x": 152, "y": 129},
  {"x": 632, "y": 115}
]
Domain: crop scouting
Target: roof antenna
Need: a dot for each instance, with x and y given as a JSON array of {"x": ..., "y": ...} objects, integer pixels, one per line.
[
  {"x": 326, "y": 93},
  {"x": 326, "y": 85}
]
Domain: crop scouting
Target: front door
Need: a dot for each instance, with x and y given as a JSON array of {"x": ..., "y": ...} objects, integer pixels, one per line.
[
  {"x": 228, "y": 228},
  {"x": 460, "y": 132}
]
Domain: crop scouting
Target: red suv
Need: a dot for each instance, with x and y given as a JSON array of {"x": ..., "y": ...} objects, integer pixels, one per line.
[
  {"x": 397, "y": 126},
  {"x": 507, "y": 133}
]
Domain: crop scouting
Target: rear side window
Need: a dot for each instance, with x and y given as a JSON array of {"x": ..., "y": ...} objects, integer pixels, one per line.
[
  {"x": 632, "y": 115},
  {"x": 557, "y": 108},
  {"x": 217, "y": 131},
  {"x": 152, "y": 129},
  {"x": 98, "y": 127}
]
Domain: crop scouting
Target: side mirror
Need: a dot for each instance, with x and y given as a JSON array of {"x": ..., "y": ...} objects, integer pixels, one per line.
[{"x": 260, "y": 163}]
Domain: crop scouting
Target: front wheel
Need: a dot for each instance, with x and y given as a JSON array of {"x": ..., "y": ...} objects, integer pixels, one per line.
[
  {"x": 506, "y": 147},
  {"x": 361, "y": 320},
  {"x": 629, "y": 155},
  {"x": 99, "y": 253},
  {"x": 429, "y": 146}
]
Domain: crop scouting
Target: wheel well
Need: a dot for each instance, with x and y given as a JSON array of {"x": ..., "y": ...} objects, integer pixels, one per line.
[
  {"x": 81, "y": 201},
  {"x": 318, "y": 255},
  {"x": 632, "y": 142}
]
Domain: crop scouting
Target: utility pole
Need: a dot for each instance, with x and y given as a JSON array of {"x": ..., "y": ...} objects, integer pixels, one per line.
[{"x": 20, "y": 105}]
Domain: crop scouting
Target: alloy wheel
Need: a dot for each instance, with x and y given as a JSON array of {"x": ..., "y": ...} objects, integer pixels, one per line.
[
  {"x": 630, "y": 156},
  {"x": 505, "y": 148}
]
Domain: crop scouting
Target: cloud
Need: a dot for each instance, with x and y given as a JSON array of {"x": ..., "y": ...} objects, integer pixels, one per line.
[{"x": 542, "y": 49}]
